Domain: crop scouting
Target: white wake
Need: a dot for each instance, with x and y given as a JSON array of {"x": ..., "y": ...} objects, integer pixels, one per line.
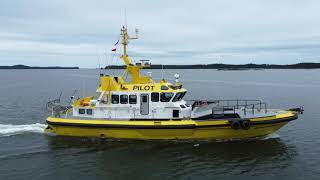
[
  {"x": 272, "y": 136},
  {"x": 10, "y": 129}
]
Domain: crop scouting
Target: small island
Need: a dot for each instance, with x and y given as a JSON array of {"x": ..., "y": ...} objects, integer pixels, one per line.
[
  {"x": 230, "y": 66},
  {"x": 35, "y": 67}
]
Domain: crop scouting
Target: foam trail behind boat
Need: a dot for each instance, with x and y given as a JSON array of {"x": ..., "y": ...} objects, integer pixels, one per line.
[{"x": 10, "y": 129}]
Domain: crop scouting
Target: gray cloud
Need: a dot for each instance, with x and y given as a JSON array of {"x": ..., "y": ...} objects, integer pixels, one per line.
[{"x": 37, "y": 32}]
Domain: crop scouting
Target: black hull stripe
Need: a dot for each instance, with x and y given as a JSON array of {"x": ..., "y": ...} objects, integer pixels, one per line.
[
  {"x": 191, "y": 126},
  {"x": 287, "y": 119}
]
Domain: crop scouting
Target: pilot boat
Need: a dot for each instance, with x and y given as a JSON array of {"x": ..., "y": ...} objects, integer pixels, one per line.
[{"x": 141, "y": 108}]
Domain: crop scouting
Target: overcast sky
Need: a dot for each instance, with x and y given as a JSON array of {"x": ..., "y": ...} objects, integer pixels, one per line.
[{"x": 82, "y": 33}]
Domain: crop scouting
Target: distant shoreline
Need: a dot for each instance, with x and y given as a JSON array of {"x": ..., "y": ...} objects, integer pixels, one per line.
[
  {"x": 35, "y": 67},
  {"x": 230, "y": 66},
  {"x": 222, "y": 67}
]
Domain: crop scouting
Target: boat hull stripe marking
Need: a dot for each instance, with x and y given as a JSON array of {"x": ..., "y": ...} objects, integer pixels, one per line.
[{"x": 191, "y": 126}]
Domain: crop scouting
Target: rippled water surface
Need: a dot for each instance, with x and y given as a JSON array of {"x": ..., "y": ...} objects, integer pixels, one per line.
[{"x": 292, "y": 153}]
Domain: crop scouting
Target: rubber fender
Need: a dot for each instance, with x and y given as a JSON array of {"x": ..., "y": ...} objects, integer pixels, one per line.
[
  {"x": 235, "y": 124},
  {"x": 245, "y": 124}
]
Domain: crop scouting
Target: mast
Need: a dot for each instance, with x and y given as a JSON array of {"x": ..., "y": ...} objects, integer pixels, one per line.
[
  {"x": 133, "y": 69},
  {"x": 125, "y": 42}
]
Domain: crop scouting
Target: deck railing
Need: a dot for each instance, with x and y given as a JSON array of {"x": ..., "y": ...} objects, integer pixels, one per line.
[{"x": 231, "y": 105}]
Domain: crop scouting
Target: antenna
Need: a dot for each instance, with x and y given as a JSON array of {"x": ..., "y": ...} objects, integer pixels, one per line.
[
  {"x": 105, "y": 54},
  {"x": 125, "y": 18},
  {"x": 99, "y": 65},
  {"x": 100, "y": 71},
  {"x": 162, "y": 72},
  {"x": 83, "y": 88},
  {"x": 137, "y": 33}
]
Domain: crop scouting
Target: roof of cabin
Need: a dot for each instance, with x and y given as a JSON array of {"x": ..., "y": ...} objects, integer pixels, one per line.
[{"x": 116, "y": 83}]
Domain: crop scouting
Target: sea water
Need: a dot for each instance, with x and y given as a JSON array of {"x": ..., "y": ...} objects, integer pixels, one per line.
[{"x": 291, "y": 153}]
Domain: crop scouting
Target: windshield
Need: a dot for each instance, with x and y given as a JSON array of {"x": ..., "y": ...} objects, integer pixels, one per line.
[
  {"x": 178, "y": 96},
  {"x": 166, "y": 97}
]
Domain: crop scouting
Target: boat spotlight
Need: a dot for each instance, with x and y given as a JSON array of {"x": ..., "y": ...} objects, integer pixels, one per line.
[{"x": 177, "y": 77}]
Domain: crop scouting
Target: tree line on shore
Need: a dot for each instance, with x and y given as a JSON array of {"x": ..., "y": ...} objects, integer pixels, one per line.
[{"x": 229, "y": 66}]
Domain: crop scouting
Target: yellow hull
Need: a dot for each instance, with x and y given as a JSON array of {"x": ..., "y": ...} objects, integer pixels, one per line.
[
  {"x": 206, "y": 133},
  {"x": 184, "y": 129}
]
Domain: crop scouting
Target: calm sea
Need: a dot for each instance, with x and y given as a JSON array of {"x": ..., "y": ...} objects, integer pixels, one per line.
[{"x": 292, "y": 153}]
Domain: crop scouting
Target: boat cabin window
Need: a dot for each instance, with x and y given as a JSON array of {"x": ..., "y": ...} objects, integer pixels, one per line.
[
  {"x": 178, "y": 96},
  {"x": 115, "y": 99},
  {"x": 132, "y": 99},
  {"x": 104, "y": 100},
  {"x": 155, "y": 97},
  {"x": 89, "y": 111},
  {"x": 166, "y": 97},
  {"x": 124, "y": 99},
  {"x": 164, "y": 88},
  {"x": 82, "y": 111},
  {"x": 145, "y": 99},
  {"x": 175, "y": 113}
]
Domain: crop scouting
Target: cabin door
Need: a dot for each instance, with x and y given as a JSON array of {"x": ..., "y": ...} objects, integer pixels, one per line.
[{"x": 144, "y": 104}]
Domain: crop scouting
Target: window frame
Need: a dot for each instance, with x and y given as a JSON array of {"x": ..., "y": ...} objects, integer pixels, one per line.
[
  {"x": 183, "y": 106},
  {"x": 112, "y": 98},
  {"x": 89, "y": 113},
  {"x": 124, "y": 95},
  {"x": 152, "y": 97},
  {"x": 175, "y": 113},
  {"x": 179, "y": 96},
  {"x": 163, "y": 93},
  {"x": 104, "y": 99},
  {"x": 81, "y": 110},
  {"x": 136, "y": 99},
  {"x": 144, "y": 99}
]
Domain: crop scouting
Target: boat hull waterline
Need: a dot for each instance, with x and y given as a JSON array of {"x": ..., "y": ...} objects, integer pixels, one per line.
[{"x": 166, "y": 130}]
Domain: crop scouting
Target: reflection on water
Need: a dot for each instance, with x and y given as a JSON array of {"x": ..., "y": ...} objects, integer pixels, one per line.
[{"x": 180, "y": 159}]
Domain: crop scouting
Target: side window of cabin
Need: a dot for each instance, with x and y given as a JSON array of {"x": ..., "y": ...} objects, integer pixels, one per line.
[
  {"x": 166, "y": 97},
  {"x": 124, "y": 99},
  {"x": 104, "y": 99},
  {"x": 155, "y": 97},
  {"x": 164, "y": 88},
  {"x": 145, "y": 99},
  {"x": 82, "y": 111},
  {"x": 89, "y": 111},
  {"x": 175, "y": 113},
  {"x": 182, "y": 106},
  {"x": 178, "y": 96},
  {"x": 132, "y": 99},
  {"x": 115, "y": 99}
]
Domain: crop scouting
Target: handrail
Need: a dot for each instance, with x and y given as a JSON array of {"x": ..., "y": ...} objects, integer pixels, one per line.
[{"x": 235, "y": 104}]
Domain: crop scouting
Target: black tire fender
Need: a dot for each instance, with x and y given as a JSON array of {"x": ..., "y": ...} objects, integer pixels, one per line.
[
  {"x": 245, "y": 124},
  {"x": 235, "y": 124}
]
